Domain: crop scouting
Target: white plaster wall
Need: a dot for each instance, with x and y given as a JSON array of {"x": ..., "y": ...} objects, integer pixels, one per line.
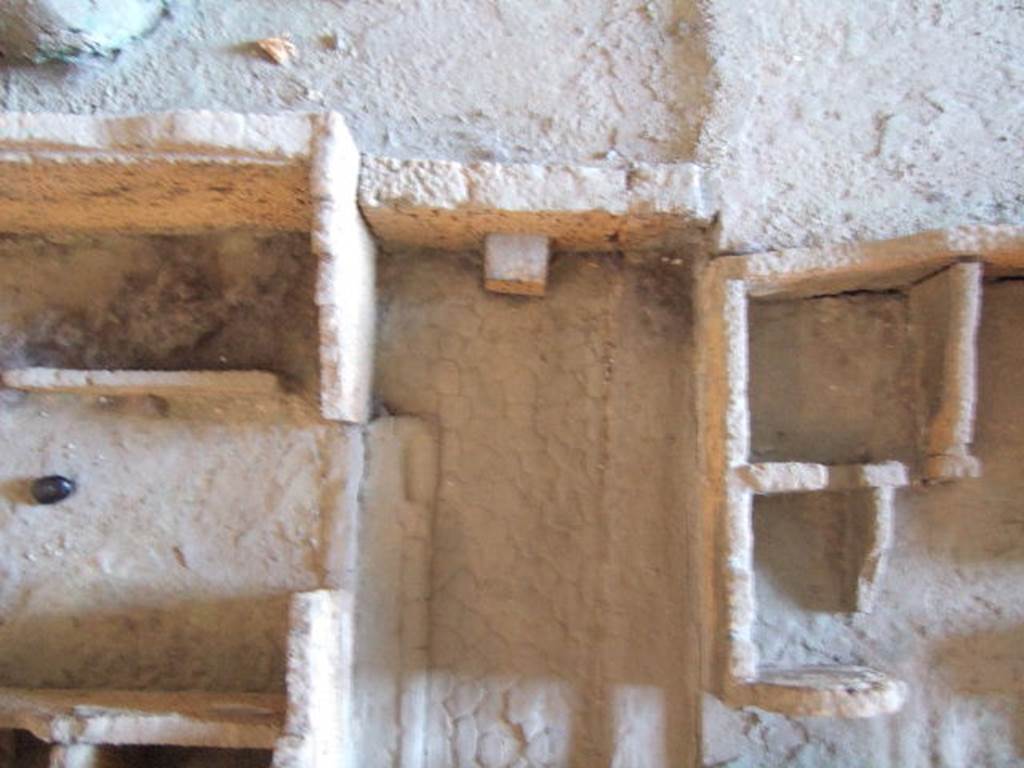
[
  {"x": 824, "y": 120},
  {"x": 562, "y": 615},
  {"x": 562, "y": 632},
  {"x": 482, "y": 79},
  {"x": 849, "y": 120},
  {"x": 949, "y": 613},
  {"x": 172, "y": 564}
]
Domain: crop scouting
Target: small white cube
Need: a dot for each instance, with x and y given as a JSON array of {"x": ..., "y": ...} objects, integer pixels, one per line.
[{"x": 516, "y": 264}]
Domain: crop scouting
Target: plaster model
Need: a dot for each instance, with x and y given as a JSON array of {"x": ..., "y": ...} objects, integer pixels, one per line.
[{"x": 529, "y": 581}]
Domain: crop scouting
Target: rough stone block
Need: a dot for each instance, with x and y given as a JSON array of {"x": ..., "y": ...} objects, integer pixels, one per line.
[
  {"x": 887, "y": 474},
  {"x": 785, "y": 477},
  {"x": 450, "y": 205},
  {"x": 871, "y": 540}
]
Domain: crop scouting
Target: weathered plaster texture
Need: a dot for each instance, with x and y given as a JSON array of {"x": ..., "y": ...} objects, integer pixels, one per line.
[
  {"x": 171, "y": 565},
  {"x": 222, "y": 301},
  {"x": 559, "y": 633},
  {"x": 831, "y": 380},
  {"x": 838, "y": 121},
  {"x": 563, "y": 619},
  {"x": 38, "y": 30},
  {"x": 480, "y": 79}
]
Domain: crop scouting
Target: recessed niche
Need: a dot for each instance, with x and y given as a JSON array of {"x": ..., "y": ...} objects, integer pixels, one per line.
[
  {"x": 801, "y": 553},
  {"x": 233, "y": 300},
  {"x": 190, "y": 757},
  {"x": 831, "y": 379}
]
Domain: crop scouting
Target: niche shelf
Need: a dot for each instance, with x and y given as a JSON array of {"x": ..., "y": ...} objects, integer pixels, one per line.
[
  {"x": 941, "y": 274},
  {"x": 822, "y": 691},
  {"x": 202, "y": 172},
  {"x": 303, "y": 727}
]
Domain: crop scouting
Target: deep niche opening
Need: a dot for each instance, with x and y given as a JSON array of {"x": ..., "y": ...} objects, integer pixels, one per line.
[
  {"x": 831, "y": 379},
  {"x": 233, "y": 300},
  {"x": 809, "y": 549}
]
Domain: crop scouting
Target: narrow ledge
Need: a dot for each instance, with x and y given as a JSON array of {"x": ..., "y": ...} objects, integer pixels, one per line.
[
  {"x": 128, "y": 383},
  {"x": 185, "y": 719},
  {"x": 195, "y": 171},
  {"x": 453, "y": 206},
  {"x": 803, "y": 477},
  {"x": 822, "y": 691}
]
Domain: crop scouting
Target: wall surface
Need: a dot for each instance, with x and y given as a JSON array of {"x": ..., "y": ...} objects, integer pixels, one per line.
[
  {"x": 559, "y": 633},
  {"x": 583, "y": 80},
  {"x": 171, "y": 565},
  {"x": 949, "y": 614},
  {"x": 822, "y": 121},
  {"x": 837, "y": 121},
  {"x": 562, "y": 614}
]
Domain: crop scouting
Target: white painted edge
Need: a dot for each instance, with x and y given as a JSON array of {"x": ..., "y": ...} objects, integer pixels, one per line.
[
  {"x": 951, "y": 429},
  {"x": 392, "y": 650},
  {"x": 80, "y": 756},
  {"x": 801, "y": 477},
  {"x": 319, "y": 682},
  {"x": 346, "y": 292}
]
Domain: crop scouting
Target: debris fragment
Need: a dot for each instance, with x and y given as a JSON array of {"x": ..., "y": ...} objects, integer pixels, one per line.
[
  {"x": 334, "y": 41},
  {"x": 279, "y": 50}
]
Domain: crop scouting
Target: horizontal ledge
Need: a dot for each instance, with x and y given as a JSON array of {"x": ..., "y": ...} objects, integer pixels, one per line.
[
  {"x": 874, "y": 265},
  {"x": 454, "y": 206},
  {"x": 822, "y": 691},
  {"x": 126, "y": 383},
  {"x": 800, "y": 477},
  {"x": 188, "y": 171},
  {"x": 226, "y": 134},
  {"x": 186, "y": 719}
]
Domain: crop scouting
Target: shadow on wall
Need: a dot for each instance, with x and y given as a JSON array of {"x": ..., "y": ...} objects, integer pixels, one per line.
[
  {"x": 545, "y": 721},
  {"x": 988, "y": 665},
  {"x": 235, "y": 645},
  {"x": 804, "y": 553},
  {"x": 559, "y": 631}
]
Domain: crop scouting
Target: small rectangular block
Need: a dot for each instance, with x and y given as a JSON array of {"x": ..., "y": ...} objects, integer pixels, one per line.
[
  {"x": 887, "y": 474},
  {"x": 516, "y": 264},
  {"x": 785, "y": 477}
]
